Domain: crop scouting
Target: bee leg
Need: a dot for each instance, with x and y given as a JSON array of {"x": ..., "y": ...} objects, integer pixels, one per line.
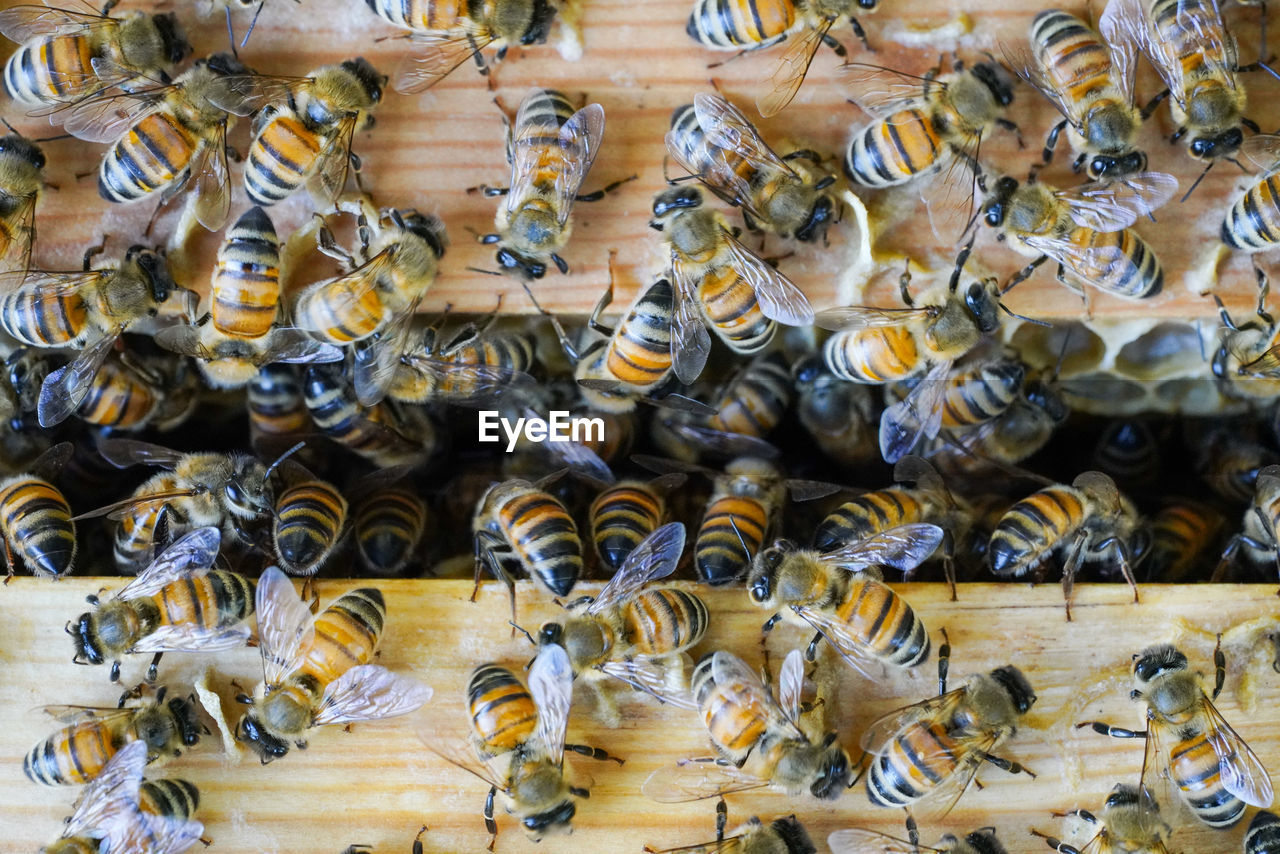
[
  {"x": 1113, "y": 731},
  {"x": 108, "y": 6},
  {"x": 913, "y": 832},
  {"x": 94, "y": 250},
  {"x": 417, "y": 840},
  {"x": 1050, "y": 143},
  {"x": 1122, "y": 551},
  {"x": 1229, "y": 554},
  {"x": 1023, "y": 274},
  {"x": 609, "y": 188},
  {"x": 151, "y": 670},
  {"x": 860, "y": 34},
  {"x": 811, "y": 651},
  {"x": 1072, "y": 566},
  {"x": 1007, "y": 765},
  {"x": 1153, "y": 103},
  {"x": 949, "y": 562},
  {"x": 1055, "y": 843},
  {"x": 489, "y": 824},
  {"x": 722, "y": 818},
  {"x": 831, "y": 42},
  {"x": 1013, "y": 129},
  {"x": 1219, "y": 668},
  {"x": 944, "y": 662},
  {"x": 595, "y": 753},
  {"x": 8, "y": 560},
  {"x": 115, "y": 671},
  {"x": 737, "y": 55},
  {"x": 773, "y": 621}
]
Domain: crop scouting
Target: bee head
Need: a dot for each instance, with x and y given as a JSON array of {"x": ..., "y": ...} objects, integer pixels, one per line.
[
  {"x": 21, "y": 147},
  {"x": 997, "y": 80},
  {"x": 1016, "y": 686},
  {"x": 764, "y": 570},
  {"x": 984, "y": 841},
  {"x": 809, "y": 369},
  {"x": 995, "y": 208},
  {"x": 176, "y": 46},
  {"x": 248, "y": 491},
  {"x": 833, "y": 775},
  {"x": 556, "y": 818},
  {"x": 1104, "y": 166},
  {"x": 26, "y": 373},
  {"x": 267, "y": 746},
  {"x": 426, "y": 227},
  {"x": 816, "y": 225},
  {"x": 373, "y": 81},
  {"x": 226, "y": 65},
  {"x": 1158, "y": 660},
  {"x": 1216, "y": 146},
  {"x": 674, "y": 199},
  {"x": 539, "y": 23},
  {"x": 984, "y": 305},
  {"x": 1122, "y": 795},
  {"x": 551, "y": 634},
  {"x": 795, "y": 839},
  {"x": 526, "y": 268},
  {"x": 154, "y": 269},
  {"x": 1221, "y": 362},
  {"x": 1041, "y": 395},
  {"x": 82, "y": 633}
]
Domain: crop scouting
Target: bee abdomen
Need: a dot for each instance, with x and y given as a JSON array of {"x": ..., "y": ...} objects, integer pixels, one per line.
[
  {"x": 173, "y": 798},
  {"x": 154, "y": 153},
  {"x": 872, "y": 355},
  {"x": 309, "y": 519},
  {"x": 1253, "y": 222},
  {"x": 503, "y": 713},
  {"x": 1121, "y": 262},
  {"x": 866, "y": 515},
  {"x": 543, "y": 533},
  {"x": 346, "y": 634},
  {"x": 732, "y": 530},
  {"x": 37, "y": 524},
  {"x": 621, "y": 517},
  {"x": 280, "y": 159},
  {"x": 893, "y": 151},
  {"x": 730, "y": 24},
  {"x": 1032, "y": 528},
  {"x": 1263, "y": 836},
  {"x": 388, "y": 529},
  {"x": 70, "y": 756},
  {"x": 40, "y": 322},
  {"x": 664, "y": 621},
  {"x": 28, "y": 77},
  {"x": 885, "y": 622},
  {"x": 640, "y": 351},
  {"x": 731, "y": 306},
  {"x": 920, "y": 758},
  {"x": 246, "y": 281},
  {"x": 1195, "y": 769}
]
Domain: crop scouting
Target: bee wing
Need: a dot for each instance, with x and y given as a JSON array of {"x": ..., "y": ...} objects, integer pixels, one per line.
[
  {"x": 919, "y": 414},
  {"x": 856, "y": 840},
  {"x": 187, "y": 556},
  {"x": 655, "y": 557},
  {"x": 376, "y": 359},
  {"x": 330, "y": 177},
  {"x": 184, "y": 340},
  {"x": 793, "y": 65},
  {"x": 715, "y": 173},
  {"x": 854, "y": 317},
  {"x": 105, "y": 117},
  {"x": 460, "y": 758},
  {"x": 242, "y": 94},
  {"x": 579, "y": 459},
  {"x": 1263, "y": 150},
  {"x": 1265, "y": 365},
  {"x": 1242, "y": 772},
  {"x": 1216, "y": 48},
  {"x": 155, "y": 834},
  {"x": 434, "y": 57},
  {"x": 727, "y": 845},
  {"x": 1125, "y": 22},
  {"x": 690, "y": 341},
  {"x": 188, "y": 637},
  {"x": 1068, "y": 254},
  {"x": 1113, "y": 205},
  {"x": 119, "y": 509},
  {"x": 880, "y": 734},
  {"x": 882, "y": 92},
  {"x": 286, "y": 627},
  {"x": 212, "y": 181},
  {"x": 26, "y": 22},
  {"x": 48, "y": 285},
  {"x": 650, "y": 676},
  {"x": 17, "y": 254},
  {"x": 471, "y": 384},
  {"x": 369, "y": 692},
  {"x": 346, "y": 290},
  {"x": 849, "y": 646},
  {"x": 779, "y": 297},
  {"x": 65, "y": 388},
  {"x": 698, "y": 779},
  {"x": 123, "y": 453},
  {"x": 1023, "y": 62},
  {"x": 580, "y": 139},
  {"x": 723, "y": 442},
  {"x": 71, "y": 714},
  {"x": 903, "y": 548},
  {"x": 791, "y": 683},
  {"x": 110, "y": 795},
  {"x": 729, "y": 670},
  {"x": 809, "y": 490},
  {"x": 551, "y": 686},
  {"x": 286, "y": 344},
  {"x": 727, "y": 127}
]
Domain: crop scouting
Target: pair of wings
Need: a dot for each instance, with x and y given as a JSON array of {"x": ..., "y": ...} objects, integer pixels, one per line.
[
  {"x": 577, "y": 143},
  {"x": 189, "y": 557},
  {"x": 286, "y": 631},
  {"x": 1033, "y": 69},
  {"x": 108, "y": 808},
  {"x": 281, "y": 344},
  {"x": 697, "y": 779},
  {"x": 780, "y": 300},
  {"x": 437, "y": 53}
]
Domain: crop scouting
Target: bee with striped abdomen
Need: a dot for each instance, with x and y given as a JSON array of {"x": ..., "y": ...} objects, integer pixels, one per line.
[
  {"x": 781, "y": 836},
  {"x": 550, "y": 148},
  {"x": 21, "y": 180},
  {"x": 278, "y": 416},
  {"x": 631, "y": 633},
  {"x": 474, "y": 365},
  {"x": 66, "y": 55},
  {"x": 389, "y": 524},
  {"x": 858, "y": 841},
  {"x": 381, "y": 434},
  {"x": 1182, "y": 534},
  {"x": 309, "y": 519},
  {"x": 446, "y": 33},
  {"x": 1090, "y": 519},
  {"x": 239, "y": 335},
  {"x": 1089, "y": 81},
  {"x": 737, "y": 519},
  {"x": 1084, "y": 229},
  {"x": 1189, "y": 746},
  {"x": 720, "y": 282},
  {"x": 762, "y": 741},
  {"x": 85, "y": 309},
  {"x": 316, "y": 668},
  {"x": 744, "y": 25},
  {"x": 303, "y": 131},
  {"x": 1258, "y": 539},
  {"x": 837, "y": 415},
  {"x": 120, "y": 811},
  {"x": 132, "y": 390},
  {"x": 35, "y": 517},
  {"x": 1130, "y": 822},
  {"x": 518, "y": 522},
  {"x": 838, "y": 592},
  {"x": 79, "y": 751},
  {"x": 373, "y": 304},
  {"x": 713, "y": 140},
  {"x": 1263, "y": 835},
  {"x": 627, "y": 512},
  {"x": 931, "y": 751},
  {"x": 177, "y": 604}
]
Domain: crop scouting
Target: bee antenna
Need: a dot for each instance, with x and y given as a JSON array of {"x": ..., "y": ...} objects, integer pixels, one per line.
[
  {"x": 1196, "y": 183},
  {"x": 1062, "y": 354},
  {"x": 522, "y": 630},
  {"x": 283, "y": 457},
  {"x": 11, "y": 128},
  {"x": 1046, "y": 324},
  {"x": 254, "y": 22},
  {"x": 48, "y": 138},
  {"x": 486, "y": 272},
  {"x": 231, "y": 33}
]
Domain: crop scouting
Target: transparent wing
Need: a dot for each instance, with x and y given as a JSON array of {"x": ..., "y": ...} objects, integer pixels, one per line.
[
  {"x": 187, "y": 556},
  {"x": 286, "y": 627},
  {"x": 1124, "y": 22},
  {"x": 189, "y": 637},
  {"x": 732, "y": 673},
  {"x": 64, "y": 389},
  {"x": 1265, "y": 365},
  {"x": 123, "y": 453},
  {"x": 1113, "y": 205},
  {"x": 655, "y": 557},
  {"x": 1215, "y": 48},
  {"x": 551, "y": 686},
  {"x": 791, "y": 684},
  {"x": 902, "y": 548},
  {"x": 435, "y": 56},
  {"x": 878, "y": 736},
  {"x": 882, "y": 92},
  {"x": 696, "y": 780},
  {"x": 368, "y": 692},
  {"x": 580, "y": 140},
  {"x": 1072, "y": 256},
  {"x": 722, "y": 442},
  {"x": 344, "y": 291},
  {"x": 727, "y": 127},
  {"x": 286, "y": 344},
  {"x": 728, "y": 845},
  {"x": 70, "y": 714},
  {"x": 1020, "y": 58},
  {"x": 579, "y": 459},
  {"x": 41, "y": 286},
  {"x": 651, "y": 676},
  {"x": 854, "y": 317},
  {"x": 789, "y": 73},
  {"x": 779, "y": 297},
  {"x": 242, "y": 94},
  {"x": 119, "y": 509},
  {"x": 26, "y": 22},
  {"x": 856, "y": 840},
  {"x": 16, "y": 254},
  {"x": 715, "y": 171},
  {"x": 105, "y": 117},
  {"x": 377, "y": 358},
  {"x": 919, "y": 414},
  {"x": 1242, "y": 772},
  {"x": 1263, "y": 150},
  {"x": 460, "y": 757},
  {"x": 334, "y": 163},
  {"x": 1155, "y": 778},
  {"x": 690, "y": 340},
  {"x": 212, "y": 181},
  {"x": 155, "y": 834},
  {"x": 849, "y": 646},
  {"x": 111, "y": 795},
  {"x": 460, "y": 383},
  {"x": 185, "y": 341}
]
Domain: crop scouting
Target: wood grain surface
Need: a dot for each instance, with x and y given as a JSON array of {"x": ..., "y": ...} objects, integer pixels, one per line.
[{"x": 379, "y": 784}]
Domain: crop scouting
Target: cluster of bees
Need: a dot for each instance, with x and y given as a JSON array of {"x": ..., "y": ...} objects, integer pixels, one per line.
[{"x": 962, "y": 445}]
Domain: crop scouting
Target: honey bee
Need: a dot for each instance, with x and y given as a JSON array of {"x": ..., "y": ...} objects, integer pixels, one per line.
[
  {"x": 35, "y": 517},
  {"x": 757, "y": 24},
  {"x": 837, "y": 415},
  {"x": 310, "y": 517},
  {"x": 1182, "y": 532},
  {"x": 1251, "y": 220},
  {"x": 1214, "y": 771},
  {"x": 1229, "y": 460},
  {"x": 475, "y": 365},
  {"x": 373, "y": 304},
  {"x": 388, "y": 528},
  {"x": 79, "y": 752},
  {"x": 933, "y": 749},
  {"x": 737, "y": 519},
  {"x": 1088, "y": 520},
  {"x": 132, "y": 390},
  {"x": 519, "y": 522},
  {"x": 527, "y": 729},
  {"x": 85, "y": 309},
  {"x": 278, "y": 415},
  {"x": 918, "y": 127},
  {"x": 316, "y": 668},
  {"x": 228, "y": 491},
  {"x": 1258, "y": 539},
  {"x": 22, "y": 165},
  {"x": 785, "y": 745},
  {"x": 1263, "y": 835},
  {"x": 627, "y": 512},
  {"x": 550, "y": 148},
  {"x": 239, "y": 334},
  {"x": 1128, "y": 452},
  {"x": 377, "y": 433},
  {"x": 1130, "y": 821},
  {"x": 445, "y": 35},
  {"x": 781, "y": 836},
  {"x": 720, "y": 282},
  {"x": 119, "y": 811},
  {"x": 858, "y": 841},
  {"x": 1085, "y": 229},
  {"x": 712, "y": 139},
  {"x": 1089, "y": 81},
  {"x": 303, "y": 131},
  {"x": 839, "y": 593},
  {"x": 65, "y": 55},
  {"x": 1247, "y": 362},
  {"x": 633, "y": 634},
  {"x": 1189, "y": 46},
  {"x": 177, "y": 604}
]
